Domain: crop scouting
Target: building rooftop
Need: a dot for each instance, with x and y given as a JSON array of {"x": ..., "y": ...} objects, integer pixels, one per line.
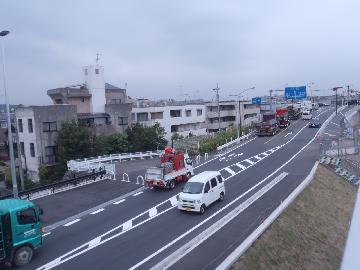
[{"x": 144, "y": 103}]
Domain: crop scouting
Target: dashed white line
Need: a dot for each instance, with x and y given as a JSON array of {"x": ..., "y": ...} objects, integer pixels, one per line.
[
  {"x": 242, "y": 167},
  {"x": 127, "y": 225},
  {"x": 46, "y": 234},
  {"x": 249, "y": 161},
  {"x": 71, "y": 222},
  {"x": 153, "y": 212},
  {"x": 118, "y": 202},
  {"x": 229, "y": 170},
  {"x": 97, "y": 211},
  {"x": 138, "y": 193}
]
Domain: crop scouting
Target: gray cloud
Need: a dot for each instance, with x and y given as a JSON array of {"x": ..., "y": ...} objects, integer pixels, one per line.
[{"x": 165, "y": 49}]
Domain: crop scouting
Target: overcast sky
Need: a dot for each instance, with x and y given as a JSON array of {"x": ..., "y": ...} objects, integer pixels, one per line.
[{"x": 180, "y": 49}]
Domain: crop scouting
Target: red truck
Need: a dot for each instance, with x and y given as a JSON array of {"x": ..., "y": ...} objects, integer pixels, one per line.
[
  {"x": 282, "y": 117},
  {"x": 175, "y": 166},
  {"x": 268, "y": 126}
]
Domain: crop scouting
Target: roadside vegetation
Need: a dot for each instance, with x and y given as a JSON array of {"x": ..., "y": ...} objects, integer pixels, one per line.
[{"x": 311, "y": 233}]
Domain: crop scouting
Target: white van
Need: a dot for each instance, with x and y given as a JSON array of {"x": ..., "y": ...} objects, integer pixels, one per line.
[
  {"x": 306, "y": 115},
  {"x": 202, "y": 190}
]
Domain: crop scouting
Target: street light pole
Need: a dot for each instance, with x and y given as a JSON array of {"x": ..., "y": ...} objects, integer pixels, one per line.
[
  {"x": 218, "y": 102},
  {"x": 336, "y": 97},
  {"x": 10, "y": 137}
]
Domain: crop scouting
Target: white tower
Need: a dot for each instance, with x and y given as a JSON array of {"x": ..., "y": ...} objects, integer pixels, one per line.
[{"x": 95, "y": 82}]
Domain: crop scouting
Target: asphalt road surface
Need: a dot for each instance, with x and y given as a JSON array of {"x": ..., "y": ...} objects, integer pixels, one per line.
[{"x": 146, "y": 229}]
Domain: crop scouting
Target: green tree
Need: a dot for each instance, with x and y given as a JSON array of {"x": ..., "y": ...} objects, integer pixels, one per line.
[
  {"x": 176, "y": 136},
  {"x": 111, "y": 144},
  {"x": 74, "y": 141},
  {"x": 142, "y": 138}
]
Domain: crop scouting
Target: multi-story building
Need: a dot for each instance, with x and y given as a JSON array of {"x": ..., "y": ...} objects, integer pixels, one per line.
[
  {"x": 102, "y": 106},
  {"x": 38, "y": 128},
  {"x": 183, "y": 117},
  {"x": 4, "y": 153},
  {"x": 230, "y": 114}
]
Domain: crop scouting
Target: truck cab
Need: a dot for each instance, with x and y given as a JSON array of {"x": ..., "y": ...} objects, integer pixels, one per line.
[{"x": 20, "y": 231}]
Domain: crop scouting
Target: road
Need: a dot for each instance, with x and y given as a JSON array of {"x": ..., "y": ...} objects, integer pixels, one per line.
[{"x": 145, "y": 229}]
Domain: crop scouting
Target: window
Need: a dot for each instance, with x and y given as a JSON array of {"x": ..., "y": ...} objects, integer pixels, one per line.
[
  {"x": 199, "y": 112},
  {"x": 116, "y": 101},
  {"x": 213, "y": 182},
  {"x": 219, "y": 178},
  {"x": 27, "y": 216},
  {"x": 30, "y": 126},
  {"x": 157, "y": 115},
  {"x": 32, "y": 149},
  {"x": 122, "y": 121},
  {"x": 175, "y": 113},
  {"x": 82, "y": 99},
  {"x": 50, "y": 154},
  {"x": 174, "y": 128},
  {"x": 49, "y": 126},
  {"x": 86, "y": 71},
  {"x": 142, "y": 117},
  {"x": 20, "y": 125},
  {"x": 207, "y": 187},
  {"x": 58, "y": 101},
  {"x": 96, "y": 71},
  {"x": 3, "y": 125},
  {"x": 22, "y": 148},
  {"x": 188, "y": 113}
]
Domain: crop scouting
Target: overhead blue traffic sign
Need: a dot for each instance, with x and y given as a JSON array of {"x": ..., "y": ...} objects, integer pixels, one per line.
[
  {"x": 295, "y": 92},
  {"x": 256, "y": 100}
]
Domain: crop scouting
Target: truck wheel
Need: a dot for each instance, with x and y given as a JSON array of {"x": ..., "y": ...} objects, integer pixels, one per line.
[
  {"x": 23, "y": 256},
  {"x": 222, "y": 197},
  {"x": 202, "y": 209},
  {"x": 172, "y": 184}
]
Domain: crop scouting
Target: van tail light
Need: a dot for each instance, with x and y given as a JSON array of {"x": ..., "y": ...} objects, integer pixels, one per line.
[{"x": 42, "y": 230}]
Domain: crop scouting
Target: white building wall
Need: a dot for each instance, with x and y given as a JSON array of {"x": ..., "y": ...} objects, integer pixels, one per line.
[
  {"x": 95, "y": 82},
  {"x": 167, "y": 121},
  {"x": 32, "y": 163}
]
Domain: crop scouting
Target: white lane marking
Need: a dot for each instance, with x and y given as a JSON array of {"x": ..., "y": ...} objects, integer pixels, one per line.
[
  {"x": 229, "y": 170},
  {"x": 221, "y": 159},
  {"x": 153, "y": 212},
  {"x": 289, "y": 133},
  {"x": 231, "y": 155},
  {"x": 46, "y": 234},
  {"x": 118, "y": 202},
  {"x": 127, "y": 225},
  {"x": 242, "y": 167},
  {"x": 226, "y": 206},
  {"x": 332, "y": 135},
  {"x": 238, "y": 155},
  {"x": 174, "y": 201},
  {"x": 211, "y": 230},
  {"x": 334, "y": 124},
  {"x": 72, "y": 253},
  {"x": 94, "y": 241},
  {"x": 72, "y": 222},
  {"x": 257, "y": 157},
  {"x": 138, "y": 193},
  {"x": 97, "y": 211},
  {"x": 249, "y": 161}
]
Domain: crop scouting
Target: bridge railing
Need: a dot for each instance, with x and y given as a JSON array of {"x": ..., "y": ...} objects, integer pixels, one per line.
[{"x": 59, "y": 186}]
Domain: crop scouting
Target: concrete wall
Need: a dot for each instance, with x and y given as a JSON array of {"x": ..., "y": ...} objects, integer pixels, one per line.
[
  {"x": 119, "y": 110},
  {"x": 83, "y": 105},
  {"x": 95, "y": 82}
]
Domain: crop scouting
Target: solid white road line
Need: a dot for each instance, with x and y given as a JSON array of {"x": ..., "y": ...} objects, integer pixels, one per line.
[
  {"x": 138, "y": 193},
  {"x": 211, "y": 230},
  {"x": 46, "y": 234},
  {"x": 72, "y": 222},
  {"x": 242, "y": 167},
  {"x": 97, "y": 211},
  {"x": 118, "y": 202}
]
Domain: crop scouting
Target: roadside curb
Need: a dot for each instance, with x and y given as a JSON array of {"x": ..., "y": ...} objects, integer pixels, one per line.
[
  {"x": 240, "y": 250},
  {"x": 87, "y": 212}
]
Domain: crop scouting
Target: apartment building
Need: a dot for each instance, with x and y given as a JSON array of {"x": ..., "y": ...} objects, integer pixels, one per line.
[
  {"x": 183, "y": 117},
  {"x": 230, "y": 114},
  {"x": 37, "y": 128}
]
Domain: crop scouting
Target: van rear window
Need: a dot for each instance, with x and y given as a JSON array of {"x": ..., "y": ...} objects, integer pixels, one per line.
[{"x": 219, "y": 178}]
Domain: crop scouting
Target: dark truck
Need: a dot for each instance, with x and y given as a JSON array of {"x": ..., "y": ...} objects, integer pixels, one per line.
[
  {"x": 268, "y": 127},
  {"x": 282, "y": 117},
  {"x": 294, "y": 113},
  {"x": 20, "y": 231}
]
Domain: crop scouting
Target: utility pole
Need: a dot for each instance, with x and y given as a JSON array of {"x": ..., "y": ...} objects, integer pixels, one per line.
[
  {"x": 10, "y": 137},
  {"x": 348, "y": 94},
  {"x": 218, "y": 102}
]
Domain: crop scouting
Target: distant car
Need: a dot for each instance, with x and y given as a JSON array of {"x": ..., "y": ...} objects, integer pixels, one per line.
[
  {"x": 315, "y": 123},
  {"x": 306, "y": 115}
]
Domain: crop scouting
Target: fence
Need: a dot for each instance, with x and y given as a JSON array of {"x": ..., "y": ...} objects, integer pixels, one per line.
[{"x": 60, "y": 186}]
